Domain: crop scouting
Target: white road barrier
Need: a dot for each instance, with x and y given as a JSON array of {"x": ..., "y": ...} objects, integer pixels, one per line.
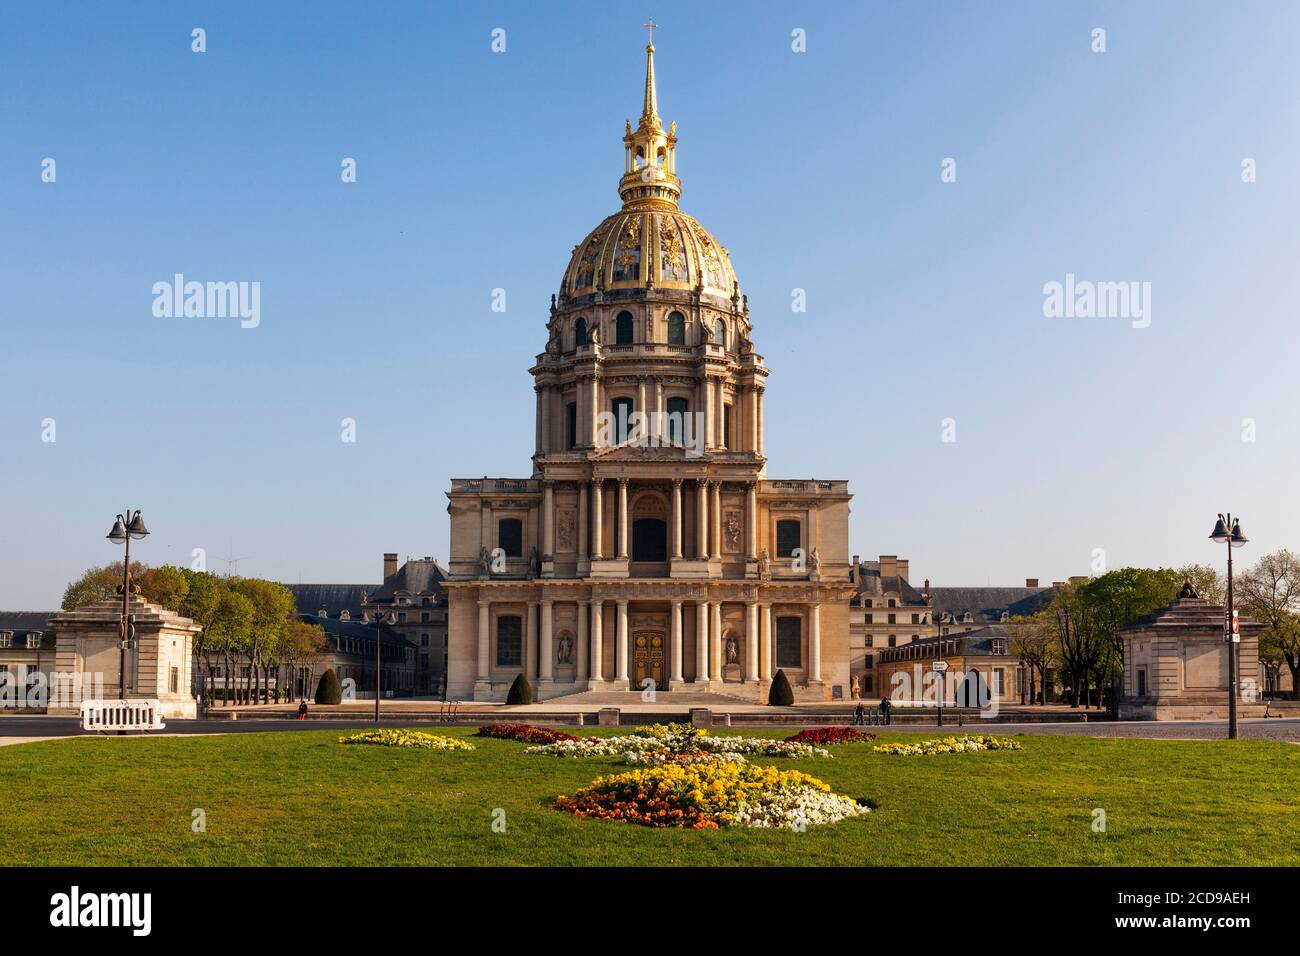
[{"x": 106, "y": 715}]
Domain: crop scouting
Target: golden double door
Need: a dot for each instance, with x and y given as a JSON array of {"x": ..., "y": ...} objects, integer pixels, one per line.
[{"x": 648, "y": 661}]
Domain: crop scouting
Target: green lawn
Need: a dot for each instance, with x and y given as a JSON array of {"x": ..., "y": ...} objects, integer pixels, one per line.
[{"x": 302, "y": 798}]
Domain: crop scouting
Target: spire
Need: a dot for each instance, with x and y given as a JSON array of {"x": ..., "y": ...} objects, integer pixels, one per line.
[
  {"x": 649, "y": 152},
  {"x": 650, "y": 109}
]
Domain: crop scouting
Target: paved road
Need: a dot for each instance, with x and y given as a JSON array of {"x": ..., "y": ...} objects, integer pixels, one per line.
[{"x": 1284, "y": 729}]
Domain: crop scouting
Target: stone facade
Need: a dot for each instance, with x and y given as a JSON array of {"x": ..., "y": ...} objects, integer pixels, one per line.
[
  {"x": 159, "y": 666},
  {"x": 648, "y": 544},
  {"x": 1176, "y": 664}
]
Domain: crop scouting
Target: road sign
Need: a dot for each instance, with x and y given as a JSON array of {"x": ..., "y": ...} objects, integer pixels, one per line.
[{"x": 939, "y": 666}]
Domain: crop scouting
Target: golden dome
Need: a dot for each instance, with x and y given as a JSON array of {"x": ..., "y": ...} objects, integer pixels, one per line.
[
  {"x": 650, "y": 243},
  {"x": 640, "y": 248}
]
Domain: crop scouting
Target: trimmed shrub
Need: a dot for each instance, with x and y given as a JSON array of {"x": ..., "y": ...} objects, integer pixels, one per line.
[
  {"x": 521, "y": 692},
  {"x": 328, "y": 691},
  {"x": 780, "y": 694}
]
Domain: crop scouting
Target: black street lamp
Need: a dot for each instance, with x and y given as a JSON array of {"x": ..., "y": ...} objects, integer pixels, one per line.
[
  {"x": 124, "y": 529},
  {"x": 1234, "y": 539},
  {"x": 379, "y": 623}
]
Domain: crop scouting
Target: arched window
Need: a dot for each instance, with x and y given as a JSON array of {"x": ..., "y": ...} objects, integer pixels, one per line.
[
  {"x": 622, "y": 409},
  {"x": 678, "y": 409},
  {"x": 580, "y": 333},
  {"x": 789, "y": 642},
  {"x": 510, "y": 537},
  {"x": 676, "y": 329},
  {"x": 623, "y": 329},
  {"x": 787, "y": 537},
  {"x": 719, "y": 332}
]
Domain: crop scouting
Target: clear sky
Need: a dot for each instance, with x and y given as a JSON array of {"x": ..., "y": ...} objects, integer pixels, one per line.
[{"x": 477, "y": 170}]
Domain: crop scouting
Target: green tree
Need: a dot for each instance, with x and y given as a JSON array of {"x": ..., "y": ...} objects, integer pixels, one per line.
[
  {"x": 780, "y": 694},
  {"x": 328, "y": 691},
  {"x": 1113, "y": 601},
  {"x": 98, "y": 584},
  {"x": 166, "y": 586},
  {"x": 1207, "y": 580},
  {"x": 272, "y": 604},
  {"x": 228, "y": 634}
]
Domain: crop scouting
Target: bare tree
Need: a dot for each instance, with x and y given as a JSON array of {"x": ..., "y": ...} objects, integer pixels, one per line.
[{"x": 1270, "y": 593}]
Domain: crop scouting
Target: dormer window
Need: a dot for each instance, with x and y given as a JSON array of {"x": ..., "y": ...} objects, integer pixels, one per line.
[
  {"x": 33, "y": 640},
  {"x": 6, "y": 638}
]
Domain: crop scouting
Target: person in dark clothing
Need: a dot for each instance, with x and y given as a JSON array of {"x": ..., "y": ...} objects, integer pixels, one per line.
[
  {"x": 302, "y": 710},
  {"x": 859, "y": 714},
  {"x": 884, "y": 710}
]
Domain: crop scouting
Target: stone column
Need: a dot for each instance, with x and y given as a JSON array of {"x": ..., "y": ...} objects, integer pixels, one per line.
[
  {"x": 753, "y": 418},
  {"x": 751, "y": 522},
  {"x": 675, "y": 672},
  {"x": 715, "y": 641},
  {"x": 546, "y": 648},
  {"x": 622, "y": 518},
  {"x": 760, "y": 421},
  {"x": 582, "y": 653},
  {"x": 765, "y": 643},
  {"x": 720, "y": 418},
  {"x": 597, "y": 645},
  {"x": 582, "y": 521},
  {"x": 677, "y": 518},
  {"x": 620, "y": 646},
  {"x": 751, "y": 642},
  {"x": 815, "y": 643},
  {"x": 643, "y": 405},
  {"x": 661, "y": 431},
  {"x": 702, "y": 517},
  {"x": 597, "y": 519},
  {"x": 715, "y": 518},
  {"x": 484, "y": 639},
  {"x": 593, "y": 391},
  {"x": 530, "y": 643},
  {"x": 548, "y": 520},
  {"x": 706, "y": 406},
  {"x": 538, "y": 390},
  {"x": 702, "y": 642}
]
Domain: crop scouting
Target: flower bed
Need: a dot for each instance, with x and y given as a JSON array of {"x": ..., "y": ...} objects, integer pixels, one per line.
[
  {"x": 525, "y": 732},
  {"x": 407, "y": 738},
  {"x": 712, "y": 795},
  {"x": 677, "y": 743},
  {"x": 948, "y": 745},
  {"x": 830, "y": 735},
  {"x": 659, "y": 758}
]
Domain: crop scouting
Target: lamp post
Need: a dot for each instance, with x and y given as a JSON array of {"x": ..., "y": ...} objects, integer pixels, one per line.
[
  {"x": 124, "y": 529},
  {"x": 1228, "y": 531},
  {"x": 939, "y": 667},
  {"x": 379, "y": 623}
]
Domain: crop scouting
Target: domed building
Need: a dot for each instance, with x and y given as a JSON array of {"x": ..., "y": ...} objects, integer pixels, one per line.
[{"x": 648, "y": 548}]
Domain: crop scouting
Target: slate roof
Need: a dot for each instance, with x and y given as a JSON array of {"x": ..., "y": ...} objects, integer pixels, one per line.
[
  {"x": 334, "y": 598},
  {"x": 335, "y": 629},
  {"x": 20, "y": 622},
  {"x": 872, "y": 584},
  {"x": 987, "y": 604},
  {"x": 976, "y": 643},
  {"x": 417, "y": 576}
]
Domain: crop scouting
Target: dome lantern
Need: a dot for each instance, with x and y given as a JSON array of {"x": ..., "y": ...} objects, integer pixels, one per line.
[{"x": 649, "y": 152}]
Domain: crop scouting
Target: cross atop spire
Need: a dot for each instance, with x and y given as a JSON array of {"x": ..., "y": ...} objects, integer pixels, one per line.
[
  {"x": 650, "y": 25},
  {"x": 650, "y": 108}
]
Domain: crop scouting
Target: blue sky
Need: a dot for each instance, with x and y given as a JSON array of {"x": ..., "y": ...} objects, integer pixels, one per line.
[{"x": 819, "y": 170}]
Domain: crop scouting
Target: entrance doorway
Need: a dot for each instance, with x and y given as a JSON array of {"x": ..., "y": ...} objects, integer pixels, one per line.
[{"x": 648, "y": 661}]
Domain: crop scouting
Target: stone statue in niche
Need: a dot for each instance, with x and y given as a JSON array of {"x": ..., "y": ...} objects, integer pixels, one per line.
[
  {"x": 534, "y": 563},
  {"x": 484, "y": 563},
  {"x": 733, "y": 649},
  {"x": 564, "y": 652},
  {"x": 814, "y": 561},
  {"x": 764, "y": 563}
]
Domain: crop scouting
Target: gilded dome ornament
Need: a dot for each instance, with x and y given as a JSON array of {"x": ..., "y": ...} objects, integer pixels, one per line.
[{"x": 678, "y": 253}]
